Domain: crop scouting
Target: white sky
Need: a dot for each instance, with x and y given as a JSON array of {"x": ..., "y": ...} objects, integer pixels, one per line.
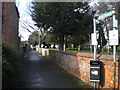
[{"x": 24, "y": 16}]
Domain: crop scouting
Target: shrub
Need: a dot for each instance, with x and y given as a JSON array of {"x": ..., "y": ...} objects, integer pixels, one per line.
[{"x": 10, "y": 64}]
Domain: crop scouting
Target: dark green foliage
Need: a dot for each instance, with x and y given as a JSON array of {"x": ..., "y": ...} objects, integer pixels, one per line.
[
  {"x": 10, "y": 64},
  {"x": 33, "y": 38},
  {"x": 64, "y": 21}
]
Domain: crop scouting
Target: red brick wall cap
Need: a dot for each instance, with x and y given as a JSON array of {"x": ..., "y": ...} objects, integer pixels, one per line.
[{"x": 88, "y": 55}]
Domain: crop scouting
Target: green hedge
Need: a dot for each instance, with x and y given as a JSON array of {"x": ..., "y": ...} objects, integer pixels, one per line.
[{"x": 10, "y": 64}]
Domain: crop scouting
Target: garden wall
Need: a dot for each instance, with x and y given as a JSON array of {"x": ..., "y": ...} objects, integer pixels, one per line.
[{"x": 78, "y": 64}]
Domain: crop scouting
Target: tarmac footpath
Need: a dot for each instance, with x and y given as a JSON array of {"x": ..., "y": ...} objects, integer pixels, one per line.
[{"x": 38, "y": 72}]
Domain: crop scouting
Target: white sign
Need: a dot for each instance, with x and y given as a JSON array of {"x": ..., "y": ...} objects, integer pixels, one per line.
[
  {"x": 113, "y": 37},
  {"x": 93, "y": 39},
  {"x": 115, "y": 23}
]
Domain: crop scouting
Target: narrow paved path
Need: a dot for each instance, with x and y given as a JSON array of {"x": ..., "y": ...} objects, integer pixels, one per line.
[{"x": 38, "y": 72}]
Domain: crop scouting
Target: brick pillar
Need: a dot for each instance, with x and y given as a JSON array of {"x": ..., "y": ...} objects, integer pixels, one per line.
[
  {"x": 4, "y": 24},
  {"x": 0, "y": 43},
  {"x": 0, "y": 19}
]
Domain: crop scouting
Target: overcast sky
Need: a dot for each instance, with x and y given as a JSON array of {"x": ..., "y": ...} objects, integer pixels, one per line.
[{"x": 23, "y": 6}]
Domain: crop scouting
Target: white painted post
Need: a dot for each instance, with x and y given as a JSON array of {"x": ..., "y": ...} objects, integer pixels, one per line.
[
  {"x": 94, "y": 25},
  {"x": 114, "y": 47},
  {"x": 95, "y": 46},
  {"x": 39, "y": 36}
]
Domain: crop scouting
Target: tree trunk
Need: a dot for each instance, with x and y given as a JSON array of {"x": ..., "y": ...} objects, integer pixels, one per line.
[
  {"x": 108, "y": 48},
  {"x": 90, "y": 48},
  {"x": 61, "y": 43},
  {"x": 79, "y": 46},
  {"x": 72, "y": 46},
  {"x": 64, "y": 47}
]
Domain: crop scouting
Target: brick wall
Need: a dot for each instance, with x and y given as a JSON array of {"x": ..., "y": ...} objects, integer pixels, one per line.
[
  {"x": 0, "y": 19},
  {"x": 10, "y": 24},
  {"x": 79, "y": 65},
  {"x": 0, "y": 43}
]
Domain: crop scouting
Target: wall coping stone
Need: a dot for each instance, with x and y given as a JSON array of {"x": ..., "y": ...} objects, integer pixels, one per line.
[{"x": 89, "y": 55}]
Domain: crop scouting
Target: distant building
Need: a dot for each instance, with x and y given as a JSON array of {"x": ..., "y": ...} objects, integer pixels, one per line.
[{"x": 10, "y": 23}]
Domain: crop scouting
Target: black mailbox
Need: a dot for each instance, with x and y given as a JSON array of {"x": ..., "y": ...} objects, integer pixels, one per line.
[{"x": 95, "y": 71}]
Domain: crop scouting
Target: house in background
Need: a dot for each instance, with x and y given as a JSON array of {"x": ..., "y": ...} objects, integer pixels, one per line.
[{"x": 10, "y": 24}]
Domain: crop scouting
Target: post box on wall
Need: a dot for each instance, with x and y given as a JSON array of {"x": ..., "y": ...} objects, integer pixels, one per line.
[{"x": 95, "y": 71}]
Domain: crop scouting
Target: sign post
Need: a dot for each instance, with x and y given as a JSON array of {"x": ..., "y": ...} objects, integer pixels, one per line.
[
  {"x": 113, "y": 37},
  {"x": 116, "y": 37},
  {"x": 94, "y": 38},
  {"x": 94, "y": 42}
]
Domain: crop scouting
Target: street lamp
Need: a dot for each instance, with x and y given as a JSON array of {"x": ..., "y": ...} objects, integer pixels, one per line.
[{"x": 39, "y": 37}]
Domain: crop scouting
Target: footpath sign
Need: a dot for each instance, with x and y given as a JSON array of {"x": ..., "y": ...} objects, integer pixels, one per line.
[
  {"x": 93, "y": 38},
  {"x": 105, "y": 15},
  {"x": 113, "y": 37}
]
